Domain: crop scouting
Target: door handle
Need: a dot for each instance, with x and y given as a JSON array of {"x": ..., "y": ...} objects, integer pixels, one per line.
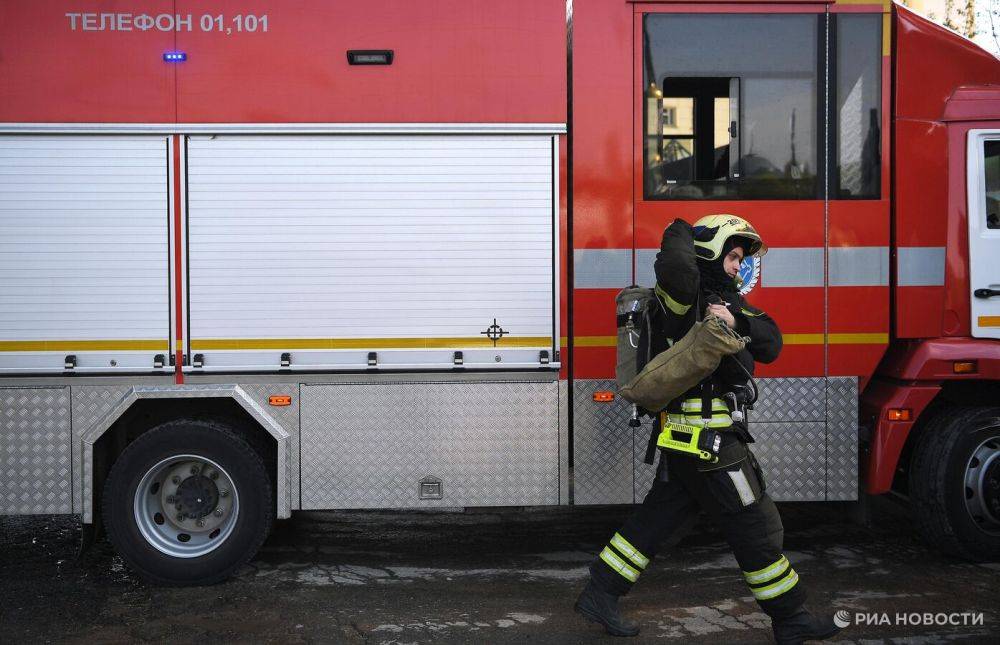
[{"x": 985, "y": 293}]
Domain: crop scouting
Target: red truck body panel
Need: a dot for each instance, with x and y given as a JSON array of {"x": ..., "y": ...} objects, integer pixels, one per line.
[
  {"x": 931, "y": 65},
  {"x": 295, "y": 72}
]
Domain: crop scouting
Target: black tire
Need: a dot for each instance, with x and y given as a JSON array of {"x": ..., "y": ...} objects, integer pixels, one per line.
[
  {"x": 938, "y": 493},
  {"x": 242, "y": 465}
]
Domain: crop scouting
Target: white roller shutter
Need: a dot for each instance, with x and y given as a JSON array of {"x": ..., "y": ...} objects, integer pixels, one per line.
[
  {"x": 410, "y": 246},
  {"x": 83, "y": 252}
]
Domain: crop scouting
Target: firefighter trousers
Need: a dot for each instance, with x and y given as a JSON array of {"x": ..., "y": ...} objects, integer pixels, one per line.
[{"x": 734, "y": 497}]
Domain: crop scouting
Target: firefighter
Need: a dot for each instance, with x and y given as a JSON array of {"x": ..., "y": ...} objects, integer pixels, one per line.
[{"x": 697, "y": 272}]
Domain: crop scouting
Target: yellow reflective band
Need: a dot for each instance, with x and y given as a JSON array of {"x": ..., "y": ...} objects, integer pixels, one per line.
[
  {"x": 83, "y": 345},
  {"x": 694, "y": 405},
  {"x": 787, "y": 339},
  {"x": 768, "y": 572},
  {"x": 671, "y": 304},
  {"x": 747, "y": 312},
  {"x": 630, "y": 551},
  {"x": 717, "y": 421},
  {"x": 778, "y": 588},
  {"x": 619, "y": 565},
  {"x": 595, "y": 341},
  {"x": 508, "y": 342}
]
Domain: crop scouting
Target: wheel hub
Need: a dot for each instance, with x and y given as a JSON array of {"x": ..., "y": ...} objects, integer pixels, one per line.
[
  {"x": 197, "y": 496},
  {"x": 186, "y": 506},
  {"x": 982, "y": 486}
]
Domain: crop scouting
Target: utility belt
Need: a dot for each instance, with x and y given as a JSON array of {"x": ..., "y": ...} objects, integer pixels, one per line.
[{"x": 697, "y": 428}]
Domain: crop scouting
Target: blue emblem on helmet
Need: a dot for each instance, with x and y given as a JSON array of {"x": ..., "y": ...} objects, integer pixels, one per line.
[{"x": 749, "y": 274}]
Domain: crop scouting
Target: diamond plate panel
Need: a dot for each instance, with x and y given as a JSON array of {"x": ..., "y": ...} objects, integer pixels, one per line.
[
  {"x": 644, "y": 473},
  {"x": 288, "y": 418},
  {"x": 564, "y": 492},
  {"x": 491, "y": 444},
  {"x": 90, "y": 405},
  {"x": 793, "y": 456},
  {"x": 842, "y": 453},
  {"x": 790, "y": 399},
  {"x": 35, "y": 452},
  {"x": 602, "y": 446}
]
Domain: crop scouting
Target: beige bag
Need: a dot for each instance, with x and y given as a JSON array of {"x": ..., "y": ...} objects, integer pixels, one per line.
[{"x": 689, "y": 361}]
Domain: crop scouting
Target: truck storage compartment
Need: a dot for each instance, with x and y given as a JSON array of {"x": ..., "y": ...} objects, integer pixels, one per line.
[
  {"x": 83, "y": 254},
  {"x": 360, "y": 251},
  {"x": 425, "y": 445}
]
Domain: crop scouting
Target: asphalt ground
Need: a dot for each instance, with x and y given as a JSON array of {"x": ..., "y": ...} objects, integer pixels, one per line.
[{"x": 488, "y": 576}]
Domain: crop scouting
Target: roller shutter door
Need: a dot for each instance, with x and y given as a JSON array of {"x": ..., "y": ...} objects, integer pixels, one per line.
[
  {"x": 83, "y": 252},
  {"x": 409, "y": 246}
]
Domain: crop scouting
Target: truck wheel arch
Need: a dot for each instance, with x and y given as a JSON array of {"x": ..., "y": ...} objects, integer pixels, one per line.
[
  {"x": 98, "y": 446},
  {"x": 953, "y": 397}
]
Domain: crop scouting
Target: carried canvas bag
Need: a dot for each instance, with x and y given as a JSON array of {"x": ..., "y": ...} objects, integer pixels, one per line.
[{"x": 685, "y": 364}]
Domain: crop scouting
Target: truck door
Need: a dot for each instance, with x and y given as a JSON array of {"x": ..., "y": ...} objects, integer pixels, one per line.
[
  {"x": 83, "y": 253},
  {"x": 353, "y": 251},
  {"x": 984, "y": 232}
]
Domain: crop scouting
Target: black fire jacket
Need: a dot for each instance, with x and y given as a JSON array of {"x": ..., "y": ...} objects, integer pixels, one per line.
[{"x": 678, "y": 288}]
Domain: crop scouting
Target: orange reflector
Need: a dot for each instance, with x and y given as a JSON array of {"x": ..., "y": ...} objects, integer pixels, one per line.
[
  {"x": 279, "y": 400},
  {"x": 965, "y": 367},
  {"x": 604, "y": 397},
  {"x": 899, "y": 414}
]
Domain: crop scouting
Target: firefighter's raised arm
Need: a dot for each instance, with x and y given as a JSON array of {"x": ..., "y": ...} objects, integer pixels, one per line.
[{"x": 677, "y": 279}]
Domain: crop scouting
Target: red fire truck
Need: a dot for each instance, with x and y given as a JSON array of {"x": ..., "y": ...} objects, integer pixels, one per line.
[{"x": 259, "y": 257}]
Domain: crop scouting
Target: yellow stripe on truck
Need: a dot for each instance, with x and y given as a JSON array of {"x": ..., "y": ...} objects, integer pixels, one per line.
[
  {"x": 859, "y": 339},
  {"x": 836, "y": 339},
  {"x": 789, "y": 339},
  {"x": 82, "y": 345},
  {"x": 595, "y": 341},
  {"x": 507, "y": 342}
]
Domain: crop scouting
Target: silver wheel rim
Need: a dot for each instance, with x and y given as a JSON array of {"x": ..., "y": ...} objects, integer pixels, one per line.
[
  {"x": 186, "y": 506},
  {"x": 982, "y": 486}
]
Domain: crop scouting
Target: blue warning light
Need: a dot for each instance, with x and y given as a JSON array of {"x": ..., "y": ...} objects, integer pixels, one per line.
[{"x": 175, "y": 57}]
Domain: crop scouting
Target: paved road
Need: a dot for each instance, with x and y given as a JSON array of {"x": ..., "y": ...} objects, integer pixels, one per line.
[{"x": 485, "y": 576}]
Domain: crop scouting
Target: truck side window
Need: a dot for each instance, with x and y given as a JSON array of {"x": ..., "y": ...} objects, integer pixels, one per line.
[
  {"x": 691, "y": 128},
  {"x": 991, "y": 163},
  {"x": 858, "y": 68},
  {"x": 731, "y": 106}
]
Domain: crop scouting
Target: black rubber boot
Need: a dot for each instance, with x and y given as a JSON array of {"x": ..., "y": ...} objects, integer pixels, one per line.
[
  {"x": 601, "y": 607},
  {"x": 801, "y": 627}
]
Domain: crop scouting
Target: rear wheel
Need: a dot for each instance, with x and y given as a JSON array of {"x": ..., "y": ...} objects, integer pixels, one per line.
[
  {"x": 187, "y": 503},
  {"x": 955, "y": 482}
]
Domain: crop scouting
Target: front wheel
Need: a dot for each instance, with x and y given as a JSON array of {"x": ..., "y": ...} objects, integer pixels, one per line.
[
  {"x": 955, "y": 482},
  {"x": 187, "y": 503}
]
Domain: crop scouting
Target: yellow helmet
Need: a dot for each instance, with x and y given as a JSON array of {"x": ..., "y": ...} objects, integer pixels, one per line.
[{"x": 712, "y": 231}]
